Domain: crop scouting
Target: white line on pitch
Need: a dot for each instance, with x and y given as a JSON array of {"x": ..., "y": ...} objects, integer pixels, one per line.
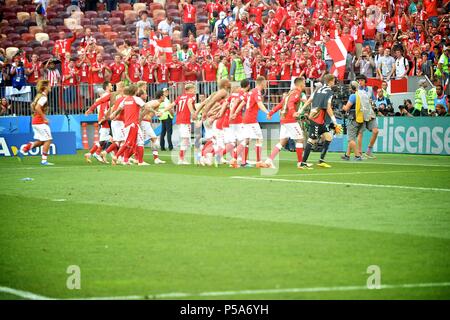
[
  {"x": 344, "y": 183},
  {"x": 376, "y": 162},
  {"x": 30, "y": 295},
  {"x": 23, "y": 294},
  {"x": 353, "y": 173}
]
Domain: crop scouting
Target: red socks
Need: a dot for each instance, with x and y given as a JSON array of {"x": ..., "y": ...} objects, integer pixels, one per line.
[{"x": 299, "y": 150}]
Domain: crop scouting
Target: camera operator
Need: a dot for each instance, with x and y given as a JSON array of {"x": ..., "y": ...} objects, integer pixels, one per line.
[
  {"x": 353, "y": 127},
  {"x": 406, "y": 109},
  {"x": 383, "y": 106}
]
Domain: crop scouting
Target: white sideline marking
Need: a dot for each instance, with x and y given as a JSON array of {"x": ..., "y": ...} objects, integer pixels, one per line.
[
  {"x": 32, "y": 296},
  {"x": 24, "y": 294},
  {"x": 352, "y": 173},
  {"x": 375, "y": 162},
  {"x": 344, "y": 183}
]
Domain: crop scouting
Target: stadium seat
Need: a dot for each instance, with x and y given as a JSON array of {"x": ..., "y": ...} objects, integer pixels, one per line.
[
  {"x": 90, "y": 14},
  {"x": 115, "y": 21},
  {"x": 34, "y": 43},
  {"x": 131, "y": 28},
  {"x": 125, "y": 6},
  {"x": 51, "y": 15},
  {"x": 22, "y": 16},
  {"x": 13, "y": 37},
  {"x": 159, "y": 14},
  {"x": 6, "y": 43},
  {"x": 104, "y": 28},
  {"x": 119, "y": 42},
  {"x": 70, "y": 23},
  {"x": 98, "y": 35},
  {"x": 117, "y": 14},
  {"x": 45, "y": 56},
  {"x": 118, "y": 27},
  {"x": 130, "y": 15},
  {"x": 56, "y": 22},
  {"x": 41, "y": 37},
  {"x": 85, "y": 21},
  {"x": 57, "y": 7},
  {"x": 133, "y": 41},
  {"x": 111, "y": 35},
  {"x": 92, "y": 27},
  {"x": 104, "y": 42},
  {"x": 27, "y": 37},
  {"x": 105, "y": 15},
  {"x": 138, "y": 7},
  {"x": 156, "y": 6},
  {"x": 125, "y": 34},
  {"x": 35, "y": 29},
  {"x": 41, "y": 50},
  {"x": 28, "y": 50},
  {"x": 48, "y": 44},
  {"x": 20, "y": 43},
  {"x": 202, "y": 19},
  {"x": 49, "y": 29},
  {"x": 53, "y": 36}
]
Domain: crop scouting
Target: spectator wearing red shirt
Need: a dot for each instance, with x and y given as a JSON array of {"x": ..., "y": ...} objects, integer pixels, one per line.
[
  {"x": 285, "y": 70},
  {"x": 192, "y": 44},
  {"x": 63, "y": 45},
  {"x": 97, "y": 73},
  {"x": 259, "y": 67},
  {"x": 34, "y": 69},
  {"x": 134, "y": 69},
  {"x": 189, "y": 17},
  {"x": 117, "y": 69},
  {"x": 209, "y": 69},
  {"x": 175, "y": 70},
  {"x": 70, "y": 80},
  {"x": 162, "y": 73},
  {"x": 257, "y": 8},
  {"x": 148, "y": 69},
  {"x": 273, "y": 24},
  {"x": 83, "y": 66},
  {"x": 191, "y": 69},
  {"x": 431, "y": 7}
]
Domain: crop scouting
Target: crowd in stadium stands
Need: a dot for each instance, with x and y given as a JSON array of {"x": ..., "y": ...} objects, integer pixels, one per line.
[{"x": 280, "y": 40}]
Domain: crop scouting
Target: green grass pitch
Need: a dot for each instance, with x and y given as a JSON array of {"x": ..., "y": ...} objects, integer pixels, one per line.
[{"x": 157, "y": 231}]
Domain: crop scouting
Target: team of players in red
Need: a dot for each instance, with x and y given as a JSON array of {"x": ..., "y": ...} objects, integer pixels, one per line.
[{"x": 229, "y": 117}]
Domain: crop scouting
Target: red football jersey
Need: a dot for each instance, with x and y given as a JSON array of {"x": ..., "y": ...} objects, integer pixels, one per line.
[
  {"x": 251, "y": 112},
  {"x": 189, "y": 12},
  {"x": 116, "y": 71},
  {"x": 131, "y": 110},
  {"x": 235, "y": 100},
  {"x": 183, "y": 112}
]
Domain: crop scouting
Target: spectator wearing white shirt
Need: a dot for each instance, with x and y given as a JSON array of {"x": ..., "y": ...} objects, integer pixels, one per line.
[
  {"x": 204, "y": 38},
  {"x": 223, "y": 22},
  {"x": 401, "y": 66},
  {"x": 142, "y": 27},
  {"x": 165, "y": 27}
]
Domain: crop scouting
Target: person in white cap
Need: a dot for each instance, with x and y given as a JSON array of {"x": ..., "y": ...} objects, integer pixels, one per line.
[{"x": 220, "y": 28}]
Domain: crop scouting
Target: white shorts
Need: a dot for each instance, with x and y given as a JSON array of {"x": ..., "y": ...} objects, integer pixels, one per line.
[
  {"x": 147, "y": 130},
  {"x": 184, "y": 131},
  {"x": 209, "y": 131},
  {"x": 104, "y": 134},
  {"x": 291, "y": 130},
  {"x": 228, "y": 135},
  {"x": 42, "y": 132},
  {"x": 252, "y": 131},
  {"x": 140, "y": 135},
  {"x": 237, "y": 132},
  {"x": 220, "y": 138},
  {"x": 117, "y": 128}
]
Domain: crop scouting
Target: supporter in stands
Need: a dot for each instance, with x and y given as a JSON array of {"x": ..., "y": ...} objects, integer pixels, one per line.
[
  {"x": 5, "y": 107},
  {"x": 143, "y": 27},
  {"x": 189, "y": 17},
  {"x": 366, "y": 64},
  {"x": 385, "y": 68},
  {"x": 165, "y": 27}
]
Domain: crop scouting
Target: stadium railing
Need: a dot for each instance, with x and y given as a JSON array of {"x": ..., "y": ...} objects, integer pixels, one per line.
[{"x": 77, "y": 99}]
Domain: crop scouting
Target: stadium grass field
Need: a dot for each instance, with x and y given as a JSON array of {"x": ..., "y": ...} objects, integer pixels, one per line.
[{"x": 157, "y": 231}]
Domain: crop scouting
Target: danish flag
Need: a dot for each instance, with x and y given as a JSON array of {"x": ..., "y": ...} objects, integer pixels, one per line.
[{"x": 337, "y": 49}]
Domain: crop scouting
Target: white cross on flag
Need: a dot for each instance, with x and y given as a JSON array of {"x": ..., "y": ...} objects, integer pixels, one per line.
[
  {"x": 165, "y": 46},
  {"x": 337, "y": 49}
]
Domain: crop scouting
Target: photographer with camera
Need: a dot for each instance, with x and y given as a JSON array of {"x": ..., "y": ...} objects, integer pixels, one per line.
[
  {"x": 366, "y": 64},
  {"x": 354, "y": 125},
  {"x": 383, "y": 106}
]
